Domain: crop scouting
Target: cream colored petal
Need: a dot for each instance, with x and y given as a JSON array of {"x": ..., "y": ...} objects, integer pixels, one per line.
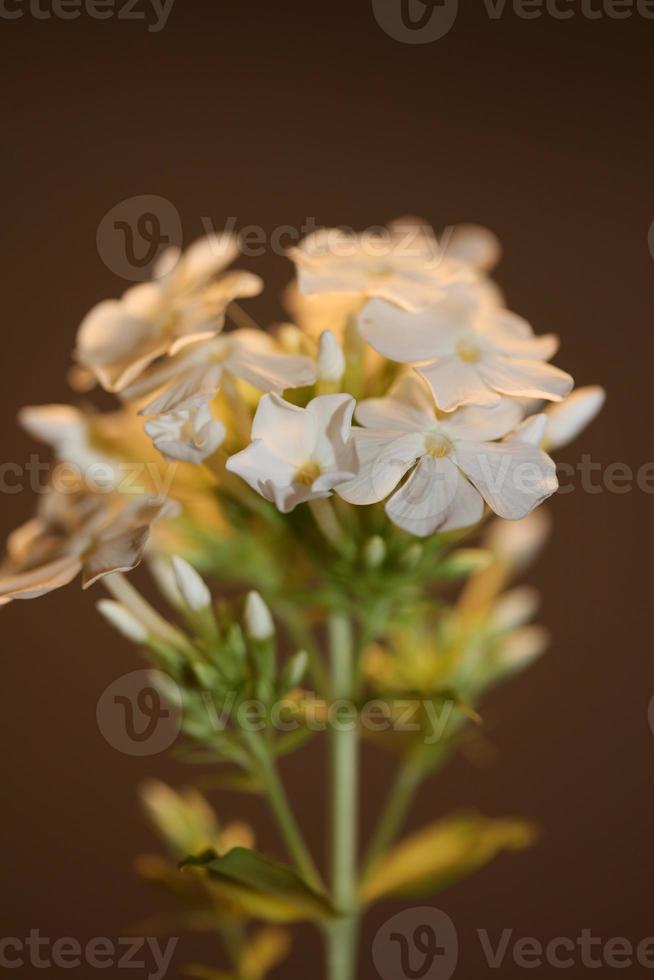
[
  {"x": 482, "y": 424},
  {"x": 435, "y": 497},
  {"x": 119, "y": 553},
  {"x": 271, "y": 372},
  {"x": 526, "y": 378},
  {"x": 570, "y": 417},
  {"x": 383, "y": 459},
  {"x": 288, "y": 431},
  {"x": 455, "y": 382},
  {"x": 264, "y": 470},
  {"x": 53, "y": 424},
  {"x": 512, "y": 477},
  {"x": 39, "y": 581},
  {"x": 204, "y": 259},
  {"x": 401, "y": 335},
  {"x": 474, "y": 245},
  {"x": 333, "y": 423}
]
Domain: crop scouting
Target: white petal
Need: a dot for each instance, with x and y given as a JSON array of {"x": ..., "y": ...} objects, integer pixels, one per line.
[
  {"x": 403, "y": 336},
  {"x": 39, "y": 581},
  {"x": 262, "y": 468},
  {"x": 205, "y": 258},
  {"x": 474, "y": 245},
  {"x": 270, "y": 372},
  {"x": 566, "y": 420},
  {"x": 409, "y": 406},
  {"x": 455, "y": 382},
  {"x": 287, "y": 431},
  {"x": 384, "y": 458},
  {"x": 435, "y": 497},
  {"x": 512, "y": 477},
  {"x": 531, "y": 379},
  {"x": 482, "y": 424},
  {"x": 333, "y": 423},
  {"x": 532, "y": 430}
]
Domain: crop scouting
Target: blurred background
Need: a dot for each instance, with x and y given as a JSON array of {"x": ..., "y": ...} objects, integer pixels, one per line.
[{"x": 282, "y": 114}]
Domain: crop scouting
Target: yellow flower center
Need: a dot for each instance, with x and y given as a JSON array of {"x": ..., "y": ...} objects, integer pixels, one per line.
[
  {"x": 307, "y": 473},
  {"x": 437, "y": 445},
  {"x": 468, "y": 351}
]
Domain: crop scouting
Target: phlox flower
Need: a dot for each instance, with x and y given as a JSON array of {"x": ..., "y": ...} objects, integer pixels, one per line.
[
  {"x": 77, "y": 532},
  {"x": 470, "y": 351},
  {"x": 185, "y": 302},
  {"x": 298, "y": 454},
  {"x": 404, "y": 263},
  {"x": 190, "y": 433},
  {"x": 453, "y": 460}
]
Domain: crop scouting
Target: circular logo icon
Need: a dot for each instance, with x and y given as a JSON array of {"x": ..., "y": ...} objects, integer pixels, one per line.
[
  {"x": 417, "y": 944},
  {"x": 133, "y": 235},
  {"x": 140, "y": 713},
  {"x": 416, "y": 21}
]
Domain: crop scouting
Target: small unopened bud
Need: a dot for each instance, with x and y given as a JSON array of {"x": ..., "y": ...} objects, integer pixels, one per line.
[
  {"x": 411, "y": 557},
  {"x": 258, "y": 621},
  {"x": 194, "y": 591},
  {"x": 122, "y": 620},
  {"x": 294, "y": 671},
  {"x": 291, "y": 338},
  {"x": 331, "y": 359},
  {"x": 374, "y": 551}
]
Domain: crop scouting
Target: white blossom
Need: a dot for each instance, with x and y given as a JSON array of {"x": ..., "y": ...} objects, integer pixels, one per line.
[
  {"x": 191, "y": 585},
  {"x": 298, "y": 454},
  {"x": 184, "y": 303},
  {"x": 188, "y": 433},
  {"x": 453, "y": 460},
  {"x": 470, "y": 351}
]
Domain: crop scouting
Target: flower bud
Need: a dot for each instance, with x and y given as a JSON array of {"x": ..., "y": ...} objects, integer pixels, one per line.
[
  {"x": 258, "y": 621},
  {"x": 374, "y": 551},
  {"x": 331, "y": 360},
  {"x": 122, "y": 620},
  {"x": 194, "y": 591}
]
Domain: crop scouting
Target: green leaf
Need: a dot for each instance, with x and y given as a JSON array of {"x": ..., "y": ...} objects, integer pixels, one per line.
[
  {"x": 263, "y": 888},
  {"x": 441, "y": 853}
]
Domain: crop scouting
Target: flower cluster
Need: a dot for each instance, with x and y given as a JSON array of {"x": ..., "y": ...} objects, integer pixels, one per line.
[{"x": 404, "y": 380}]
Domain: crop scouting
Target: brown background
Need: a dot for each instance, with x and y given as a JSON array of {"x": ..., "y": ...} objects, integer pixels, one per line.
[{"x": 272, "y": 113}]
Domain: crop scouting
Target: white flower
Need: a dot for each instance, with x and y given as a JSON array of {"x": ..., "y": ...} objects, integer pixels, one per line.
[
  {"x": 331, "y": 359},
  {"x": 67, "y": 430},
  {"x": 189, "y": 433},
  {"x": 470, "y": 351},
  {"x": 185, "y": 302},
  {"x": 458, "y": 463},
  {"x": 198, "y": 370},
  {"x": 566, "y": 420},
  {"x": 298, "y": 454},
  {"x": 404, "y": 263},
  {"x": 76, "y": 533}
]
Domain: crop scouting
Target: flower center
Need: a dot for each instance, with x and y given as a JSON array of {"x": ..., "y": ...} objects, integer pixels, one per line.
[
  {"x": 437, "y": 445},
  {"x": 307, "y": 473},
  {"x": 468, "y": 351}
]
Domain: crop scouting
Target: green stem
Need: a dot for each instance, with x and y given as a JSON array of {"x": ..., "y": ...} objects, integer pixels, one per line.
[
  {"x": 342, "y": 935},
  {"x": 327, "y": 521},
  {"x": 282, "y": 810}
]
